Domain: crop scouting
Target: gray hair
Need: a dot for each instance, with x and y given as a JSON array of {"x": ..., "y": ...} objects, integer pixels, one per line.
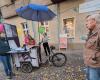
[{"x": 96, "y": 17}]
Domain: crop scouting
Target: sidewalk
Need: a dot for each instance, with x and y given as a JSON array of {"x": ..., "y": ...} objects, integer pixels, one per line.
[{"x": 73, "y": 70}]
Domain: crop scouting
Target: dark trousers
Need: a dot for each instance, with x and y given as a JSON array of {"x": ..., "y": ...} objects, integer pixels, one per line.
[
  {"x": 46, "y": 48},
  {"x": 7, "y": 64}
]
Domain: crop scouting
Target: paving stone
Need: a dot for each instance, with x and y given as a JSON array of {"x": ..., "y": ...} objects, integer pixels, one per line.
[{"x": 73, "y": 70}]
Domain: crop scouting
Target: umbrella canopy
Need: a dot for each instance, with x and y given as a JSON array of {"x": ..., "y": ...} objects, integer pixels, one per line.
[{"x": 35, "y": 12}]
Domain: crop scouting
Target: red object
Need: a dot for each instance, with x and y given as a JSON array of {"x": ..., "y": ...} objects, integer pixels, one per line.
[
  {"x": 1, "y": 28},
  {"x": 63, "y": 42},
  {"x": 29, "y": 41}
]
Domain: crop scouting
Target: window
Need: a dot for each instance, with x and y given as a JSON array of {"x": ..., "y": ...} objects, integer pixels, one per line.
[
  {"x": 68, "y": 27},
  {"x": 25, "y": 28}
]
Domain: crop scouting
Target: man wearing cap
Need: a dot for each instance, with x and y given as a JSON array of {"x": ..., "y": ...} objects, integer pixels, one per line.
[{"x": 5, "y": 58}]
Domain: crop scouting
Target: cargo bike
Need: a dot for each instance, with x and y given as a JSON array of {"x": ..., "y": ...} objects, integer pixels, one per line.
[{"x": 28, "y": 58}]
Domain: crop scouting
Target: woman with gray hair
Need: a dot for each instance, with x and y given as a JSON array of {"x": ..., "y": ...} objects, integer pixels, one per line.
[{"x": 92, "y": 47}]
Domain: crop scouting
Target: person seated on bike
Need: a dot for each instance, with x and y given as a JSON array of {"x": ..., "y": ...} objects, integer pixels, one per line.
[
  {"x": 28, "y": 40},
  {"x": 45, "y": 44}
]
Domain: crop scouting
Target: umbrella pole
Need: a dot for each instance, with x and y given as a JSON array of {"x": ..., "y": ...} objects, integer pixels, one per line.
[
  {"x": 39, "y": 40},
  {"x": 38, "y": 30},
  {"x": 40, "y": 59},
  {"x": 38, "y": 24}
]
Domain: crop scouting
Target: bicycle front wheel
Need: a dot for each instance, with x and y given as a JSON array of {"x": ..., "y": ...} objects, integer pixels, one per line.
[
  {"x": 26, "y": 67},
  {"x": 59, "y": 59}
]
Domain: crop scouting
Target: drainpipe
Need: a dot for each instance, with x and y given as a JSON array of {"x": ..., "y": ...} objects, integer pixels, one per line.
[{"x": 58, "y": 23}]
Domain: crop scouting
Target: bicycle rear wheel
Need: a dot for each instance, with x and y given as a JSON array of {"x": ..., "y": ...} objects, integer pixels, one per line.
[{"x": 59, "y": 59}]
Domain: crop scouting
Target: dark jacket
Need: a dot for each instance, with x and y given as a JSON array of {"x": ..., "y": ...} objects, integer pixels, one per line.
[{"x": 4, "y": 47}]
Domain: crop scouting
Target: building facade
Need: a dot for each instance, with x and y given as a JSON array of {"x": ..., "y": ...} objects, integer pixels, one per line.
[{"x": 68, "y": 21}]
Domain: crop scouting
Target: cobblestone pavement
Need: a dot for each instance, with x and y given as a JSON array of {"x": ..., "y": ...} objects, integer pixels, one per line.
[{"x": 73, "y": 70}]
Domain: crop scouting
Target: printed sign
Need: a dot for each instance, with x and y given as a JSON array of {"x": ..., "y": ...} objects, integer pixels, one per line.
[
  {"x": 89, "y": 6},
  {"x": 63, "y": 41},
  {"x": 41, "y": 29}
]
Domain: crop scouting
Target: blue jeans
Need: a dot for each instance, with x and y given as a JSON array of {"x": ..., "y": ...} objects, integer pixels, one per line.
[
  {"x": 93, "y": 73},
  {"x": 7, "y": 64}
]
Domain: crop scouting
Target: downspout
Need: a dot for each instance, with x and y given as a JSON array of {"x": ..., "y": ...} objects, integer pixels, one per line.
[{"x": 58, "y": 23}]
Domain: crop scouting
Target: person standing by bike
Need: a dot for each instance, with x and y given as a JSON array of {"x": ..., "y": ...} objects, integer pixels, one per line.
[
  {"x": 92, "y": 47},
  {"x": 45, "y": 44},
  {"x": 4, "y": 57}
]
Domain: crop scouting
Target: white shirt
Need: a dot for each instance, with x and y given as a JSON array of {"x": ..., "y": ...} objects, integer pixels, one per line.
[{"x": 45, "y": 39}]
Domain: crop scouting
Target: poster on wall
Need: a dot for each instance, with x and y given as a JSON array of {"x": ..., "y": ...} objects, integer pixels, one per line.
[
  {"x": 92, "y": 5},
  {"x": 63, "y": 41}
]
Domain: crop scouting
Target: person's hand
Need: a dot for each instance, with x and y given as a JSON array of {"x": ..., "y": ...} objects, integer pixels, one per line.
[{"x": 94, "y": 61}]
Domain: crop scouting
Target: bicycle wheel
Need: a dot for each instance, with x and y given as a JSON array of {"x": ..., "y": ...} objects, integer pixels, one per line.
[
  {"x": 59, "y": 59},
  {"x": 50, "y": 58},
  {"x": 26, "y": 67}
]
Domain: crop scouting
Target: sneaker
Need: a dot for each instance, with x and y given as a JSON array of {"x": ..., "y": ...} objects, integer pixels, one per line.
[
  {"x": 13, "y": 74},
  {"x": 9, "y": 77},
  {"x": 46, "y": 62},
  {"x": 50, "y": 64}
]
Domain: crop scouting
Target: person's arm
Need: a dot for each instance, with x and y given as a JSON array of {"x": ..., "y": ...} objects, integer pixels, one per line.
[
  {"x": 97, "y": 45},
  {"x": 97, "y": 52}
]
